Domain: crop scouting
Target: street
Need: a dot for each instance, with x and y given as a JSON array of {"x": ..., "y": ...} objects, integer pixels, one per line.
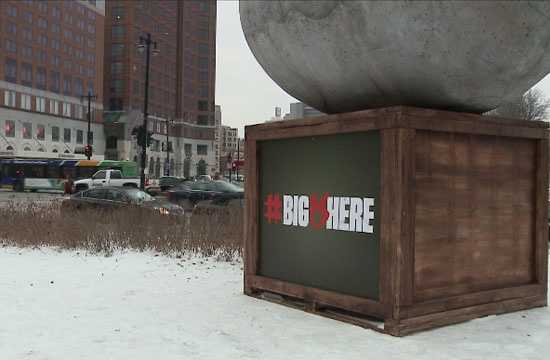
[{"x": 9, "y": 197}]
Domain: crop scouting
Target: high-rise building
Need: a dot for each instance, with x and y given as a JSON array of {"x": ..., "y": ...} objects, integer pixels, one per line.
[
  {"x": 51, "y": 55},
  {"x": 218, "y": 135},
  {"x": 181, "y": 82},
  {"x": 300, "y": 110}
]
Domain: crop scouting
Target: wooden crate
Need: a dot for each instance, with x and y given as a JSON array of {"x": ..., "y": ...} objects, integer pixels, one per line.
[{"x": 463, "y": 212}]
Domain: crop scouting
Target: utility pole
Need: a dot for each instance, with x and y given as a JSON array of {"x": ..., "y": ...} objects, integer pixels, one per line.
[
  {"x": 145, "y": 44},
  {"x": 88, "y": 134},
  {"x": 168, "y": 123},
  {"x": 238, "y": 158}
]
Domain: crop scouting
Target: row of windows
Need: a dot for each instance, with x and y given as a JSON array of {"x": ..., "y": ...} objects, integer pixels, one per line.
[
  {"x": 42, "y": 40},
  {"x": 69, "y": 86},
  {"x": 55, "y": 107},
  {"x": 26, "y": 130}
]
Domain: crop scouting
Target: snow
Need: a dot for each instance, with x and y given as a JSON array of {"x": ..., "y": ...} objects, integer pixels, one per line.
[{"x": 70, "y": 305}]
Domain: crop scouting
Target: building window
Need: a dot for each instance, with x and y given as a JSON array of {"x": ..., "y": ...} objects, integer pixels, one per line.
[
  {"x": 26, "y": 74},
  {"x": 203, "y": 76},
  {"x": 91, "y": 138},
  {"x": 90, "y": 87},
  {"x": 115, "y": 104},
  {"x": 117, "y": 86},
  {"x": 67, "y": 85},
  {"x": 42, "y": 40},
  {"x": 27, "y": 52},
  {"x": 187, "y": 150},
  {"x": 54, "y": 81},
  {"x": 118, "y": 13},
  {"x": 9, "y": 128},
  {"x": 79, "y": 111},
  {"x": 11, "y": 28},
  {"x": 27, "y": 130},
  {"x": 40, "y": 104},
  {"x": 43, "y": 6},
  {"x": 54, "y": 107},
  {"x": 56, "y": 13},
  {"x": 204, "y": 91},
  {"x": 55, "y": 133},
  {"x": 11, "y": 10},
  {"x": 117, "y": 50},
  {"x": 40, "y": 132},
  {"x": 11, "y": 46},
  {"x": 202, "y": 120},
  {"x": 117, "y": 67},
  {"x": 79, "y": 136},
  {"x": 202, "y": 149},
  {"x": 42, "y": 23},
  {"x": 10, "y": 70},
  {"x": 66, "y": 135},
  {"x": 27, "y": 34},
  {"x": 202, "y": 105},
  {"x": 41, "y": 56},
  {"x": 117, "y": 31},
  {"x": 25, "y": 102},
  {"x": 56, "y": 29},
  {"x": 78, "y": 87},
  {"x": 203, "y": 48},
  {"x": 27, "y": 16},
  {"x": 67, "y": 109},
  {"x": 55, "y": 60}
]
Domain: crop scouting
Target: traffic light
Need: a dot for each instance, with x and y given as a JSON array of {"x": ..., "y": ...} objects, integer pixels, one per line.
[
  {"x": 139, "y": 133},
  {"x": 88, "y": 151}
]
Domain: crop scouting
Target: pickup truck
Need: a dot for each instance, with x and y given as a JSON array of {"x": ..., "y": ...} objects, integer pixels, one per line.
[{"x": 106, "y": 178}]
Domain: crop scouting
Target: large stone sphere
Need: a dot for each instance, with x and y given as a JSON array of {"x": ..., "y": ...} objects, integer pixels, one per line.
[{"x": 341, "y": 56}]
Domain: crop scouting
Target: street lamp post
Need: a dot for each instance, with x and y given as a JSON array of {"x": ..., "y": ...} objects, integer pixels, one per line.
[
  {"x": 145, "y": 45},
  {"x": 88, "y": 134},
  {"x": 169, "y": 122}
]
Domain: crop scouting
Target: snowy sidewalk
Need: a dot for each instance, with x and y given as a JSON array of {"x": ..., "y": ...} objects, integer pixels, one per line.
[{"x": 135, "y": 306}]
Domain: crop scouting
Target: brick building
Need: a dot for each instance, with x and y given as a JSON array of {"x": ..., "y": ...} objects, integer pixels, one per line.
[
  {"x": 181, "y": 87},
  {"x": 51, "y": 54}
]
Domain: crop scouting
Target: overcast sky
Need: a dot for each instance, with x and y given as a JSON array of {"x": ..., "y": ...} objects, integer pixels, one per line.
[{"x": 243, "y": 89}]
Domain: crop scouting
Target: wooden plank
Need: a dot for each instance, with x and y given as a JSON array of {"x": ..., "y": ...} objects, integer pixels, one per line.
[
  {"x": 398, "y": 116},
  {"x": 406, "y": 141},
  {"x": 474, "y": 213},
  {"x": 431, "y": 321},
  {"x": 541, "y": 213},
  {"x": 329, "y": 298},
  {"x": 461, "y": 301},
  {"x": 415, "y": 114},
  {"x": 251, "y": 219},
  {"x": 389, "y": 214},
  {"x": 324, "y": 125}
]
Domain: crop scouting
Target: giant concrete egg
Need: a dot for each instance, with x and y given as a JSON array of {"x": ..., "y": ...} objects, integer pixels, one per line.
[{"x": 341, "y": 56}]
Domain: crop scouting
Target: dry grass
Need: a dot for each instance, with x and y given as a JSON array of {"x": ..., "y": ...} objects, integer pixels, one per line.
[{"x": 34, "y": 224}]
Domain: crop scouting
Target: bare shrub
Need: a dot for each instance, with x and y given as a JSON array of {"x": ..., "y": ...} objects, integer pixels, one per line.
[{"x": 218, "y": 234}]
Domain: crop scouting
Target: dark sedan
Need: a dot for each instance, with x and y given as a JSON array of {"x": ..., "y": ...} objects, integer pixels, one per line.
[
  {"x": 218, "y": 191},
  {"x": 119, "y": 197}
]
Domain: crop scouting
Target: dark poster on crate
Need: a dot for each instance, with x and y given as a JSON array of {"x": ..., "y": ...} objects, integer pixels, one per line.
[{"x": 319, "y": 212}]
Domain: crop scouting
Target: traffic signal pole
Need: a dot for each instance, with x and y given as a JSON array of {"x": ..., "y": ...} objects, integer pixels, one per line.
[
  {"x": 147, "y": 43},
  {"x": 88, "y": 135}
]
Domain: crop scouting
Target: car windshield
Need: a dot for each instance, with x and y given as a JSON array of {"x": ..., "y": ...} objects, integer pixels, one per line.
[{"x": 137, "y": 196}]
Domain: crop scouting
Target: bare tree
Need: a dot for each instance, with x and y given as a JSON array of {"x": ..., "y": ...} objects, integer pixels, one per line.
[{"x": 532, "y": 106}]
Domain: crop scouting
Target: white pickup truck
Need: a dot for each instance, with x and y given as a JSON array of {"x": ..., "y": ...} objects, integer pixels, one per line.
[{"x": 106, "y": 178}]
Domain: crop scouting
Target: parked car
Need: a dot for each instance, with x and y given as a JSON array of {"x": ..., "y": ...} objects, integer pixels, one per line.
[
  {"x": 217, "y": 190},
  {"x": 106, "y": 178},
  {"x": 168, "y": 182},
  {"x": 119, "y": 197}
]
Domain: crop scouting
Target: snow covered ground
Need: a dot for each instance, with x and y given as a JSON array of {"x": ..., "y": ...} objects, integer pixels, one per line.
[{"x": 68, "y": 305}]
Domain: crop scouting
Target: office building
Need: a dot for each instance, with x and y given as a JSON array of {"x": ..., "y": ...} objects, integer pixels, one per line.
[
  {"x": 51, "y": 55},
  {"x": 181, "y": 83}
]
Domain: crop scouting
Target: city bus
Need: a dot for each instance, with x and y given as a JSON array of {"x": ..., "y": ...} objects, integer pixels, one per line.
[{"x": 51, "y": 174}]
